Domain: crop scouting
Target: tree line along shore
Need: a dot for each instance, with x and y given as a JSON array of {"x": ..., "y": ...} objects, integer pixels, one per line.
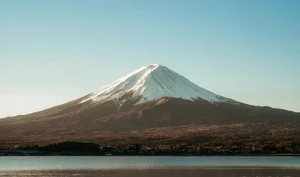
[{"x": 87, "y": 148}]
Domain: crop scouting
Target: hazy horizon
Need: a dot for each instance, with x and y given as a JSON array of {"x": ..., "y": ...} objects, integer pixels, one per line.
[{"x": 56, "y": 51}]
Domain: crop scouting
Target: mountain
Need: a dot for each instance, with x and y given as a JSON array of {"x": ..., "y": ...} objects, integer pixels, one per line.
[{"x": 151, "y": 104}]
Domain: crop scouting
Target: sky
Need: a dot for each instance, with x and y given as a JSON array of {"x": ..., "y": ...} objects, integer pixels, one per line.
[{"x": 54, "y": 51}]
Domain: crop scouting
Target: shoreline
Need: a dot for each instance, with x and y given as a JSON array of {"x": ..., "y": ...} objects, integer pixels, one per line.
[
  {"x": 166, "y": 155},
  {"x": 163, "y": 172},
  {"x": 165, "y": 168}
]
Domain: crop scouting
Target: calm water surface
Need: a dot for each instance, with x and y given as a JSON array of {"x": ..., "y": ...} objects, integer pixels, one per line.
[{"x": 67, "y": 162}]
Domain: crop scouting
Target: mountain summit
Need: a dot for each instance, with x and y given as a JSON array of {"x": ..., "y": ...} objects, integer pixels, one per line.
[
  {"x": 151, "y": 83},
  {"x": 153, "y": 104}
]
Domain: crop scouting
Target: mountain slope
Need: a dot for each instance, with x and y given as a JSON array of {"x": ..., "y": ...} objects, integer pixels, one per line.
[{"x": 149, "y": 103}]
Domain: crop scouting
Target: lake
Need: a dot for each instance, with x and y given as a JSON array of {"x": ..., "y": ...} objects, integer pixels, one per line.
[{"x": 94, "y": 166}]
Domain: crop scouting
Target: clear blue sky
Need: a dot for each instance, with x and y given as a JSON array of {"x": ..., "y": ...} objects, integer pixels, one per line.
[{"x": 54, "y": 51}]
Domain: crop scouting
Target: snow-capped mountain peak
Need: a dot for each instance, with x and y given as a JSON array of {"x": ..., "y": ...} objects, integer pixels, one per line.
[{"x": 151, "y": 83}]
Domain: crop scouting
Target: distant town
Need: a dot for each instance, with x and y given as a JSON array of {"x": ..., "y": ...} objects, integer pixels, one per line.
[{"x": 83, "y": 148}]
